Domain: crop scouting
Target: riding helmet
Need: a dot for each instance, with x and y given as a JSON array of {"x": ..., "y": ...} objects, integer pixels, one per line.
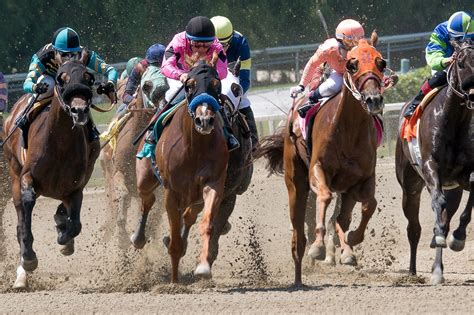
[
  {"x": 224, "y": 29},
  {"x": 66, "y": 39},
  {"x": 460, "y": 24},
  {"x": 350, "y": 29},
  {"x": 155, "y": 53},
  {"x": 200, "y": 29}
]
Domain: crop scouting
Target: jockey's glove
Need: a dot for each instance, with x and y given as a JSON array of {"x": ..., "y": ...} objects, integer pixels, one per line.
[
  {"x": 106, "y": 88},
  {"x": 40, "y": 88},
  {"x": 295, "y": 90}
]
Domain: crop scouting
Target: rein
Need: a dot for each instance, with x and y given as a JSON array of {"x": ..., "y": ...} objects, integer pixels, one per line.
[{"x": 461, "y": 93}]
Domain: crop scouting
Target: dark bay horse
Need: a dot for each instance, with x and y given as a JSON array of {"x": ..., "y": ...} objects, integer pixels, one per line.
[
  {"x": 119, "y": 165},
  {"x": 58, "y": 163},
  {"x": 446, "y": 161},
  {"x": 343, "y": 156},
  {"x": 192, "y": 158}
]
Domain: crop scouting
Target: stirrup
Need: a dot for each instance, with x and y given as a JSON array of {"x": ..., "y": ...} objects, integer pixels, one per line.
[{"x": 304, "y": 109}]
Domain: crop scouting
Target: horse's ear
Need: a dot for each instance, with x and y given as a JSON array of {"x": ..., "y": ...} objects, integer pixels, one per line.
[
  {"x": 84, "y": 56},
  {"x": 216, "y": 85},
  {"x": 374, "y": 38},
  {"x": 352, "y": 65},
  {"x": 236, "y": 89},
  {"x": 381, "y": 64},
  {"x": 190, "y": 86}
]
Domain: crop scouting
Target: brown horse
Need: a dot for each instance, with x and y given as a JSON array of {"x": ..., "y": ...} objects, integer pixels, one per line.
[
  {"x": 446, "y": 161},
  {"x": 58, "y": 163},
  {"x": 119, "y": 167},
  {"x": 192, "y": 158},
  {"x": 343, "y": 157}
]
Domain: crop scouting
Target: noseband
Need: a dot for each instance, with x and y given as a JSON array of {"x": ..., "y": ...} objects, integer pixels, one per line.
[
  {"x": 461, "y": 93},
  {"x": 64, "y": 106},
  {"x": 355, "y": 89}
]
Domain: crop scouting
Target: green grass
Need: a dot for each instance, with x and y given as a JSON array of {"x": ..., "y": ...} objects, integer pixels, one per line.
[{"x": 103, "y": 118}]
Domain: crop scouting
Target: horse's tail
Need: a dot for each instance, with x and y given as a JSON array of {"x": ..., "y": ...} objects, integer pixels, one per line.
[{"x": 271, "y": 147}]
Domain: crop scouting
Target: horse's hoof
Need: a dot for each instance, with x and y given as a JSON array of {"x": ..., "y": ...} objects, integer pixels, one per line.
[
  {"x": 21, "y": 281},
  {"x": 67, "y": 249},
  {"x": 440, "y": 241},
  {"x": 64, "y": 238},
  {"x": 330, "y": 260},
  {"x": 317, "y": 252},
  {"x": 455, "y": 244},
  {"x": 29, "y": 265},
  {"x": 437, "y": 279},
  {"x": 348, "y": 259},
  {"x": 203, "y": 270},
  {"x": 166, "y": 241},
  {"x": 226, "y": 229},
  {"x": 137, "y": 242}
]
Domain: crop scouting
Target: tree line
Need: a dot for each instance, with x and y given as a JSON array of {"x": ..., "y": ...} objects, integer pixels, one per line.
[{"x": 119, "y": 29}]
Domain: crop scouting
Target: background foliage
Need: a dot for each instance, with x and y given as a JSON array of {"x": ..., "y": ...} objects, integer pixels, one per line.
[{"x": 119, "y": 29}]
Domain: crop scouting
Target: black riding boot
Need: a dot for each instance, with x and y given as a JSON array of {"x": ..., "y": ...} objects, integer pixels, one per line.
[
  {"x": 247, "y": 111},
  {"x": 93, "y": 131},
  {"x": 232, "y": 142},
  {"x": 414, "y": 104},
  {"x": 23, "y": 124},
  {"x": 313, "y": 99}
]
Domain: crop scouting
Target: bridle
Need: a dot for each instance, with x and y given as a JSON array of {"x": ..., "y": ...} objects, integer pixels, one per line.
[
  {"x": 355, "y": 89},
  {"x": 461, "y": 93}
]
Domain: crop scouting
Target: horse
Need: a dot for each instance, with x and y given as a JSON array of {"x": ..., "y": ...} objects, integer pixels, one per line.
[
  {"x": 342, "y": 156},
  {"x": 118, "y": 165},
  {"x": 192, "y": 158},
  {"x": 445, "y": 164},
  {"x": 58, "y": 163}
]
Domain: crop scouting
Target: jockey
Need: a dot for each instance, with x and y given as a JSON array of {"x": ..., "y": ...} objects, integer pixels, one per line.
[
  {"x": 151, "y": 63},
  {"x": 131, "y": 63},
  {"x": 198, "y": 41},
  {"x": 333, "y": 52},
  {"x": 45, "y": 63},
  {"x": 439, "y": 53},
  {"x": 237, "y": 49}
]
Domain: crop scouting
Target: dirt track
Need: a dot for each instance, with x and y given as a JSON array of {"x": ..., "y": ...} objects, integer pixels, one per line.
[{"x": 254, "y": 270}]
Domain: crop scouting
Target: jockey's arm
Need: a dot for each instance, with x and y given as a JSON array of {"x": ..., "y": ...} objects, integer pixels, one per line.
[
  {"x": 312, "y": 72},
  {"x": 245, "y": 65},
  {"x": 221, "y": 65},
  {"x": 169, "y": 66},
  {"x": 436, "y": 52},
  {"x": 133, "y": 81},
  {"x": 100, "y": 66},
  {"x": 35, "y": 70}
]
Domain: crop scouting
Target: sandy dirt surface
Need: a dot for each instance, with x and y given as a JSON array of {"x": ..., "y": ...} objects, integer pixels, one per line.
[{"x": 254, "y": 270}]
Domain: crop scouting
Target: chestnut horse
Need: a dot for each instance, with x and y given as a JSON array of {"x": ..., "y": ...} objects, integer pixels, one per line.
[
  {"x": 343, "y": 156},
  {"x": 192, "y": 158},
  {"x": 118, "y": 165},
  {"x": 58, "y": 163},
  {"x": 446, "y": 161}
]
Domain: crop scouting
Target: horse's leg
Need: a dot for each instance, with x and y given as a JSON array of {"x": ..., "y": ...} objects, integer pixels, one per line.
[
  {"x": 332, "y": 233},
  {"x": 146, "y": 184},
  {"x": 106, "y": 163},
  {"x": 189, "y": 218},
  {"x": 123, "y": 203},
  {"x": 62, "y": 220},
  {"x": 438, "y": 202},
  {"x": 296, "y": 180},
  {"x": 219, "y": 225},
  {"x": 28, "y": 259},
  {"x": 176, "y": 246},
  {"x": 27, "y": 200},
  {"x": 343, "y": 222},
  {"x": 457, "y": 240},
  {"x": 453, "y": 199},
  {"x": 323, "y": 199},
  {"x": 412, "y": 186},
  {"x": 73, "y": 224},
  {"x": 212, "y": 199},
  {"x": 310, "y": 217}
]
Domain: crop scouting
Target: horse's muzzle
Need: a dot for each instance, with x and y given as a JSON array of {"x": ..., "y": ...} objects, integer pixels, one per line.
[
  {"x": 204, "y": 124},
  {"x": 79, "y": 111},
  {"x": 375, "y": 103}
]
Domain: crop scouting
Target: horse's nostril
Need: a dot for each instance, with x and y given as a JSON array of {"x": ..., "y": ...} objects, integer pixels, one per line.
[
  {"x": 211, "y": 121},
  {"x": 198, "y": 121},
  {"x": 73, "y": 110},
  {"x": 86, "y": 110}
]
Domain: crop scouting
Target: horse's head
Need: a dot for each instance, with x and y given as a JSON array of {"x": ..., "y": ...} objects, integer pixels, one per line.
[
  {"x": 74, "y": 90},
  {"x": 203, "y": 88},
  {"x": 365, "y": 66},
  {"x": 464, "y": 70}
]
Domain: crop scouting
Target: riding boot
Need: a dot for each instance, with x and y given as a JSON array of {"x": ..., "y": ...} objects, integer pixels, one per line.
[
  {"x": 24, "y": 125},
  {"x": 314, "y": 97},
  {"x": 414, "y": 104},
  {"x": 232, "y": 142},
  {"x": 247, "y": 111},
  {"x": 93, "y": 131},
  {"x": 148, "y": 150}
]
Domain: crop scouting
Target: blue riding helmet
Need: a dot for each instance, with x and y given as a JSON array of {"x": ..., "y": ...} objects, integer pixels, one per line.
[
  {"x": 155, "y": 53},
  {"x": 461, "y": 25},
  {"x": 66, "y": 39}
]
